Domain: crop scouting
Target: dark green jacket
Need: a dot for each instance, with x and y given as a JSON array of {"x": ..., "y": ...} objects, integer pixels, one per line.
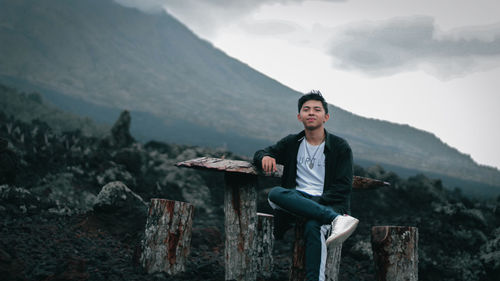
[{"x": 338, "y": 167}]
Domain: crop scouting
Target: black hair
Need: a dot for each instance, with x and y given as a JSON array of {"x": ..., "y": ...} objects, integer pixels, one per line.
[{"x": 313, "y": 95}]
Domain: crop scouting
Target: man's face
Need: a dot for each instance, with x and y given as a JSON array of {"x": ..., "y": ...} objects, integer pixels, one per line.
[{"x": 312, "y": 115}]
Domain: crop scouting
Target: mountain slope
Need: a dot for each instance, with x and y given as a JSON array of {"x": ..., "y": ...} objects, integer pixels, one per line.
[
  {"x": 110, "y": 56},
  {"x": 31, "y": 107}
]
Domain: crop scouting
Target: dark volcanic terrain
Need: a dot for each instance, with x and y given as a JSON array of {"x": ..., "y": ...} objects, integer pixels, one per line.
[{"x": 56, "y": 223}]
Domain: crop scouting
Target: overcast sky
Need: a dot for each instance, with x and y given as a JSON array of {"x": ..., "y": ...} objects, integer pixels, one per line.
[{"x": 432, "y": 64}]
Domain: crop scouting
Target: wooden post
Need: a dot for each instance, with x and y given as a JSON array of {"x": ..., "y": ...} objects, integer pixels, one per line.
[
  {"x": 240, "y": 207},
  {"x": 167, "y": 240},
  {"x": 264, "y": 246},
  {"x": 395, "y": 253},
  {"x": 298, "y": 269}
]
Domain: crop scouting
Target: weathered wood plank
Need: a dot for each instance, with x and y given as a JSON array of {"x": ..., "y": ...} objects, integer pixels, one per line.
[
  {"x": 395, "y": 253},
  {"x": 362, "y": 183},
  {"x": 226, "y": 165},
  {"x": 245, "y": 167}
]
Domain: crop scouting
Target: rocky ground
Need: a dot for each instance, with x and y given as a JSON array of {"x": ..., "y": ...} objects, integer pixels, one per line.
[{"x": 57, "y": 223}]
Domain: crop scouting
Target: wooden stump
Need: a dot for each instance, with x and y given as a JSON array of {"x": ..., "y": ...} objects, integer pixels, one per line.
[
  {"x": 240, "y": 207},
  {"x": 395, "y": 253},
  {"x": 298, "y": 268},
  {"x": 167, "y": 240},
  {"x": 264, "y": 246},
  {"x": 333, "y": 263}
]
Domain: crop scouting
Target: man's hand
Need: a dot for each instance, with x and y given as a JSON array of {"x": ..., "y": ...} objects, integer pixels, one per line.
[{"x": 268, "y": 164}]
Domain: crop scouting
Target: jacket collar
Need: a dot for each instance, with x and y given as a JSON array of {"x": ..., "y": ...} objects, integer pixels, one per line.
[{"x": 328, "y": 144}]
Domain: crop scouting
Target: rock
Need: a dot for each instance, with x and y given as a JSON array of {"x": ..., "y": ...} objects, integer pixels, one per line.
[
  {"x": 116, "y": 196},
  {"x": 59, "y": 191},
  {"x": 131, "y": 158},
  {"x": 115, "y": 173},
  {"x": 362, "y": 250},
  {"x": 3, "y": 144},
  {"x": 8, "y": 163},
  {"x": 11, "y": 268},
  {"x": 120, "y": 210},
  {"x": 473, "y": 215},
  {"x": 74, "y": 268},
  {"x": 120, "y": 133},
  {"x": 15, "y": 195},
  {"x": 490, "y": 254},
  {"x": 16, "y": 199}
]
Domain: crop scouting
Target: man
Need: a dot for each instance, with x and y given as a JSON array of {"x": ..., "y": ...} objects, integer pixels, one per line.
[{"x": 316, "y": 183}]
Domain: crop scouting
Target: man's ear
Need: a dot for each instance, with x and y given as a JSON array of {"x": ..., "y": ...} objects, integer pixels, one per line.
[
  {"x": 327, "y": 116},
  {"x": 298, "y": 116}
]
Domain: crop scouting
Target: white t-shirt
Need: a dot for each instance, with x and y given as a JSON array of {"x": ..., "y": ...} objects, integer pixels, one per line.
[{"x": 311, "y": 180}]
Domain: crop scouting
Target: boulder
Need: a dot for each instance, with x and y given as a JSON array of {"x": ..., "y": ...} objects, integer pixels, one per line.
[
  {"x": 120, "y": 209},
  {"x": 117, "y": 197}
]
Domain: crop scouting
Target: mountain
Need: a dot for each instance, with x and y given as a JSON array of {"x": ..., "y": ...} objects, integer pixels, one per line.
[{"x": 96, "y": 57}]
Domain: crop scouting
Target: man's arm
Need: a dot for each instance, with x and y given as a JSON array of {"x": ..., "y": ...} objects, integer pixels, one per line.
[
  {"x": 338, "y": 191},
  {"x": 267, "y": 158}
]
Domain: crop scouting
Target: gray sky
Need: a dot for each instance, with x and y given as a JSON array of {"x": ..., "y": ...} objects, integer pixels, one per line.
[{"x": 434, "y": 65}]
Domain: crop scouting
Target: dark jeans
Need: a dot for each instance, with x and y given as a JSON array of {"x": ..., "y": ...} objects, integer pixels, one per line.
[{"x": 288, "y": 204}]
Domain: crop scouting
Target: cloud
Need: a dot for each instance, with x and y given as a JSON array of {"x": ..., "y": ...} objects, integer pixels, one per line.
[
  {"x": 205, "y": 16},
  {"x": 241, "y": 5},
  {"x": 415, "y": 43},
  {"x": 269, "y": 27}
]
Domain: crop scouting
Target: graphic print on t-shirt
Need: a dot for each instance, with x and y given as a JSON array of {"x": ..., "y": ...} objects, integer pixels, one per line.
[{"x": 311, "y": 168}]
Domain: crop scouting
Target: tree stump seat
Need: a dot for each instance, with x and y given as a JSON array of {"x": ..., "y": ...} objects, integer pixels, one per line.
[
  {"x": 395, "y": 253},
  {"x": 297, "y": 269},
  {"x": 264, "y": 246},
  {"x": 167, "y": 240}
]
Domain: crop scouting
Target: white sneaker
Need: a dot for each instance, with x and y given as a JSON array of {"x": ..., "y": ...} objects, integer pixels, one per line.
[{"x": 342, "y": 228}]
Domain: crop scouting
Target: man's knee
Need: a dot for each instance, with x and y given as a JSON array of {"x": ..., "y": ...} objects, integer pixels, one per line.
[{"x": 275, "y": 193}]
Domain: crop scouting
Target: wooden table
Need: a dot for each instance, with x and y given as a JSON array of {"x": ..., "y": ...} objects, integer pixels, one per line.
[{"x": 240, "y": 210}]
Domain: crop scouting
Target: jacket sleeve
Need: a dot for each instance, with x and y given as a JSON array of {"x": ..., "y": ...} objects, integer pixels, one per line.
[
  {"x": 276, "y": 151},
  {"x": 338, "y": 192}
]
